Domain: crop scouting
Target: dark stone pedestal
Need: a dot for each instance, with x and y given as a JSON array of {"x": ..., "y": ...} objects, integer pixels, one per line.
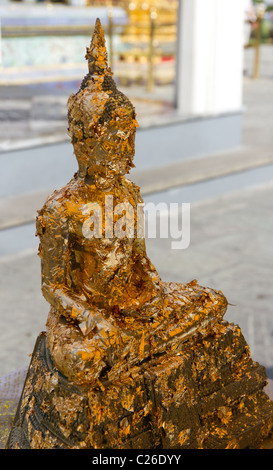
[{"x": 209, "y": 396}]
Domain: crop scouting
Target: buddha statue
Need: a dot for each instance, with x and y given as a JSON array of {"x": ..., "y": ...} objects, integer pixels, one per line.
[{"x": 127, "y": 360}]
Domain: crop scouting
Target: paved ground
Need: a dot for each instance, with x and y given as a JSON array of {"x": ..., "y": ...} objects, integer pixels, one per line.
[
  {"x": 35, "y": 111},
  {"x": 230, "y": 249}
]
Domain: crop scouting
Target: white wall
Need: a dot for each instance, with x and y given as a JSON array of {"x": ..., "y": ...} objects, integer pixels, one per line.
[{"x": 210, "y": 56}]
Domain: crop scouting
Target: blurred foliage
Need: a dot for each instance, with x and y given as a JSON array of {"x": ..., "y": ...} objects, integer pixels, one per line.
[
  {"x": 268, "y": 7},
  {"x": 266, "y": 26}
]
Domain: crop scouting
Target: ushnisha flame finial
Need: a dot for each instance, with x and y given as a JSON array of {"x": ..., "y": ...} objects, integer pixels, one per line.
[{"x": 96, "y": 54}]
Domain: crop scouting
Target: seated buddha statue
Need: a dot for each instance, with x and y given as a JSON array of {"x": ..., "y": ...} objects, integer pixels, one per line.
[
  {"x": 109, "y": 307},
  {"x": 127, "y": 361}
]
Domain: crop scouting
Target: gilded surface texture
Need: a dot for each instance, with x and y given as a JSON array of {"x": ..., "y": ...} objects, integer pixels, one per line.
[{"x": 127, "y": 360}]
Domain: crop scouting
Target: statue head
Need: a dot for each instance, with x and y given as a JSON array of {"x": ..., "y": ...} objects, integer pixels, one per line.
[{"x": 102, "y": 120}]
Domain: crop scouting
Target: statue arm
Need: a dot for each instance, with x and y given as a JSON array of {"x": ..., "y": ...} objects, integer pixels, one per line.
[
  {"x": 64, "y": 301},
  {"x": 53, "y": 231}
]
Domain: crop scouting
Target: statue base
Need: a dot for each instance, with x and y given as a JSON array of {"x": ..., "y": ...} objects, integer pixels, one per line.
[{"x": 210, "y": 396}]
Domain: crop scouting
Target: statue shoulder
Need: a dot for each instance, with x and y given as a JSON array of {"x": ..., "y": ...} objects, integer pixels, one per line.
[
  {"x": 54, "y": 209},
  {"x": 133, "y": 189},
  {"x": 54, "y": 205},
  {"x": 63, "y": 201}
]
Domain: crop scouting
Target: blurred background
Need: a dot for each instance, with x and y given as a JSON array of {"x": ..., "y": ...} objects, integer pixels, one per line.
[{"x": 200, "y": 75}]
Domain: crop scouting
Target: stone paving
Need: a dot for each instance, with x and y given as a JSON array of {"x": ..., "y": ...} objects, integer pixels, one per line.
[{"x": 40, "y": 111}]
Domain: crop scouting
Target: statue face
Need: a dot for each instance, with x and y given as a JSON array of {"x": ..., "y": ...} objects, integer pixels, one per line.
[
  {"x": 106, "y": 150},
  {"x": 114, "y": 153},
  {"x": 117, "y": 141}
]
